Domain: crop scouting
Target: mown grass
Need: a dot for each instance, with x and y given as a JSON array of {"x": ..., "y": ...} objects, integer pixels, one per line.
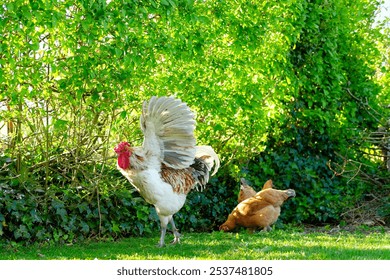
[{"x": 276, "y": 245}]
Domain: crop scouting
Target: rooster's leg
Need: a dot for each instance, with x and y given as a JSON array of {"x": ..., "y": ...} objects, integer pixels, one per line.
[
  {"x": 163, "y": 223},
  {"x": 176, "y": 233},
  {"x": 162, "y": 237}
]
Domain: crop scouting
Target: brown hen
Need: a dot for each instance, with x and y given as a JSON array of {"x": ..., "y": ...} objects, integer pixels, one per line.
[{"x": 259, "y": 211}]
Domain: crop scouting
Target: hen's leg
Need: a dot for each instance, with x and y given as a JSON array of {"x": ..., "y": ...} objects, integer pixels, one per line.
[
  {"x": 176, "y": 233},
  {"x": 267, "y": 228}
]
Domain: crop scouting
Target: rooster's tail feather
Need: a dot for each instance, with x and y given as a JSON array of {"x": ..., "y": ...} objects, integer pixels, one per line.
[
  {"x": 204, "y": 161},
  {"x": 209, "y": 156}
]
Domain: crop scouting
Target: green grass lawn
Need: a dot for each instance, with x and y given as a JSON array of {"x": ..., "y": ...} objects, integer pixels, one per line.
[{"x": 292, "y": 244}]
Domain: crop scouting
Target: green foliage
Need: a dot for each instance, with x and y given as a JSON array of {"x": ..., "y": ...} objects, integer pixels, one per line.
[
  {"x": 71, "y": 214},
  {"x": 282, "y": 90},
  {"x": 324, "y": 115}
]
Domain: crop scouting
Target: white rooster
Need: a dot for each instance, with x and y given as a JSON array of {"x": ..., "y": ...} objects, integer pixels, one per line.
[{"x": 169, "y": 164}]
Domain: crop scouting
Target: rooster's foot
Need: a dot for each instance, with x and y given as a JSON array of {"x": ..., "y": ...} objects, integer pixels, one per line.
[{"x": 176, "y": 240}]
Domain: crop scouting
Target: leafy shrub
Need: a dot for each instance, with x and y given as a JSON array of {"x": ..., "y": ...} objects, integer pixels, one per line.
[
  {"x": 328, "y": 106},
  {"x": 67, "y": 214}
]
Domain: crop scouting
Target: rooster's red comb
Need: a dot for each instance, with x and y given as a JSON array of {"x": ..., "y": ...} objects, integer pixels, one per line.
[{"x": 121, "y": 147}]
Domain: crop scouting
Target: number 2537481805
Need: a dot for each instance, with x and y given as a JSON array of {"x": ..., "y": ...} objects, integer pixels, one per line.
[{"x": 232, "y": 270}]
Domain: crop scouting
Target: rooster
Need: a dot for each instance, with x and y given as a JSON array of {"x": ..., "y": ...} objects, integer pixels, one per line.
[
  {"x": 169, "y": 164},
  {"x": 259, "y": 211},
  {"x": 246, "y": 191}
]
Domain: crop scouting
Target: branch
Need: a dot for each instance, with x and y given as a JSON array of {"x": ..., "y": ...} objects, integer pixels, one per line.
[{"x": 365, "y": 105}]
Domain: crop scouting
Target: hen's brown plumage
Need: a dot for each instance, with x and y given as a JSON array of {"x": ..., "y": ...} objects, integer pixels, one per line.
[
  {"x": 259, "y": 211},
  {"x": 246, "y": 191}
]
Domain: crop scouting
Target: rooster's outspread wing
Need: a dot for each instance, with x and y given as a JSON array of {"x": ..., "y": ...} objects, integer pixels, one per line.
[{"x": 168, "y": 126}]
